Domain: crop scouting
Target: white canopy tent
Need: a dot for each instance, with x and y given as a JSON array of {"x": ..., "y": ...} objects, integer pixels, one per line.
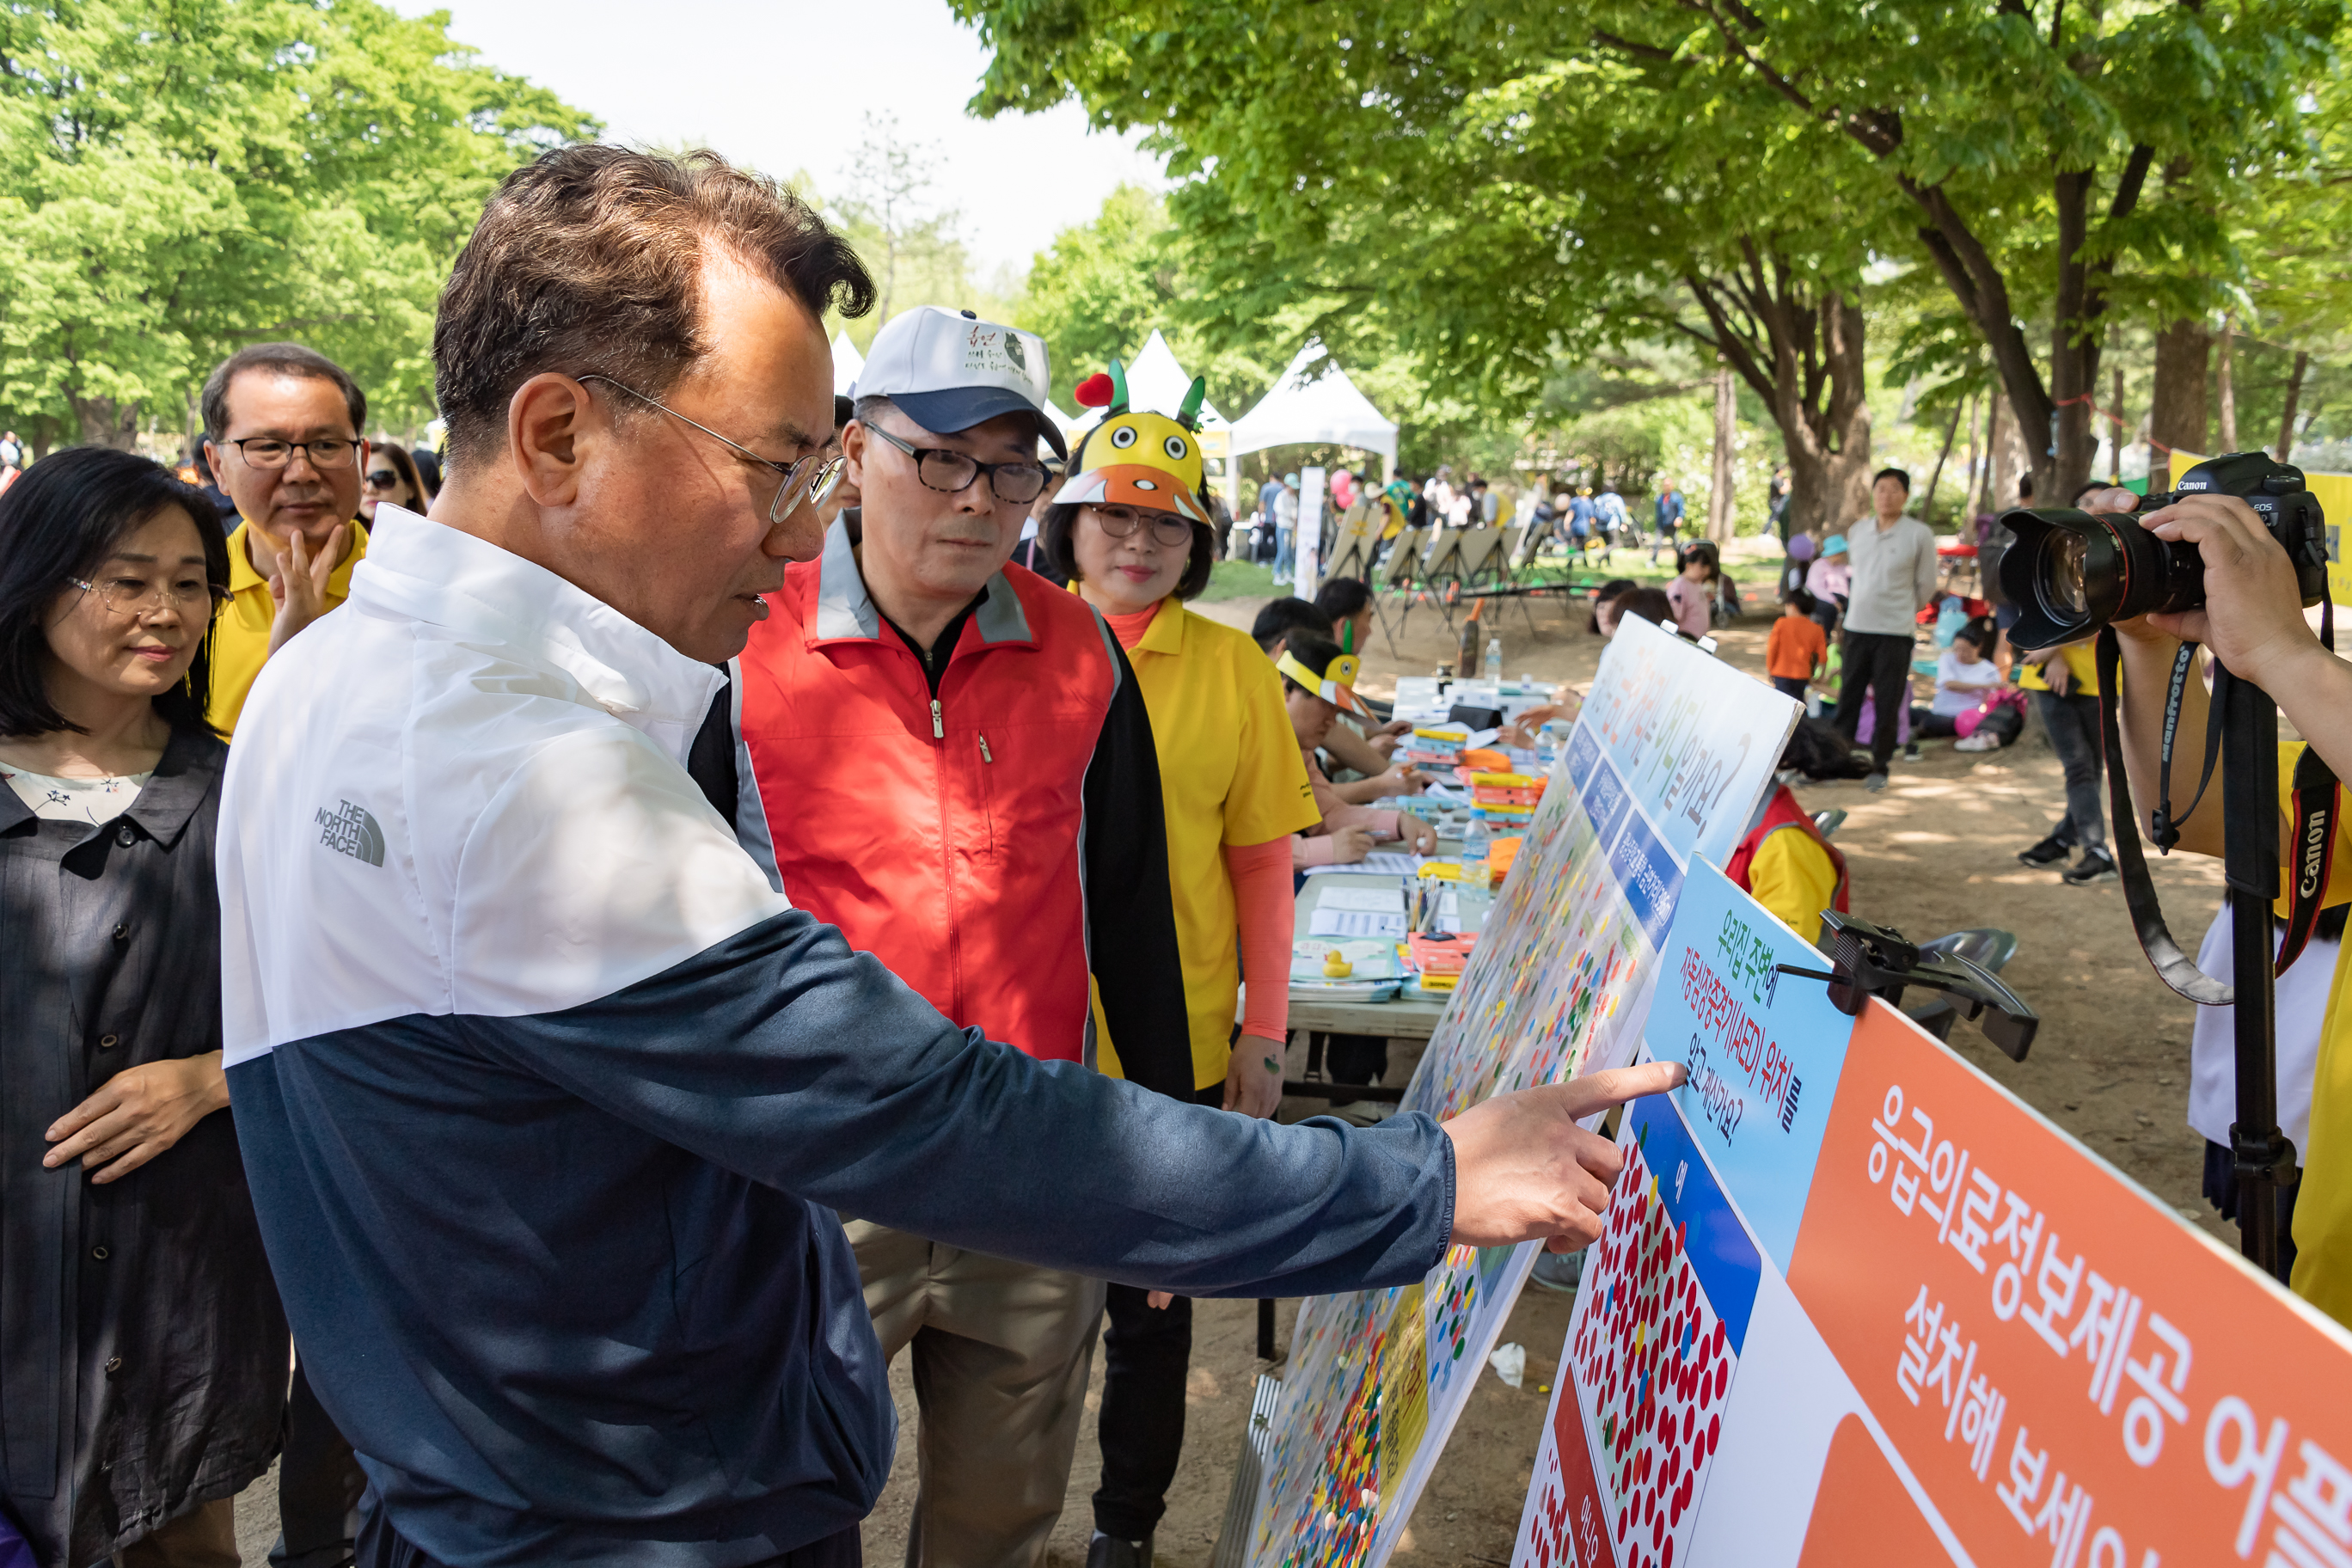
[
  {"x": 846, "y": 362},
  {"x": 1155, "y": 380},
  {"x": 1307, "y": 409}
]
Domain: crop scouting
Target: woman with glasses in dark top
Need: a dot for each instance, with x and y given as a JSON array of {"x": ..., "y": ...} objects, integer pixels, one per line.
[
  {"x": 392, "y": 479},
  {"x": 142, "y": 1353}
]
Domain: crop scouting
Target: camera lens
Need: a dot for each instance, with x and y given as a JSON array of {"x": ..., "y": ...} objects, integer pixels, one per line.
[
  {"x": 2074, "y": 572},
  {"x": 2063, "y": 577}
]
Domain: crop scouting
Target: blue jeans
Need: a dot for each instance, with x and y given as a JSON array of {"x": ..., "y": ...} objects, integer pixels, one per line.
[{"x": 1283, "y": 562}]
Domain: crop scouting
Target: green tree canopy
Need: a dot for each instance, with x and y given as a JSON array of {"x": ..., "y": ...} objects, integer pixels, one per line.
[{"x": 184, "y": 176}]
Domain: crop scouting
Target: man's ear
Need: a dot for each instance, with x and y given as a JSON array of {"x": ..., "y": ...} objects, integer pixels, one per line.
[
  {"x": 853, "y": 447},
  {"x": 550, "y": 423}
]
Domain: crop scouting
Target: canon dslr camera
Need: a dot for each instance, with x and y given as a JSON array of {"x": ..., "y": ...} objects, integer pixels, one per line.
[{"x": 2071, "y": 572}]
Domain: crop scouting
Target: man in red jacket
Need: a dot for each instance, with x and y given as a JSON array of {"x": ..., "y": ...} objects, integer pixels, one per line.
[{"x": 947, "y": 757}]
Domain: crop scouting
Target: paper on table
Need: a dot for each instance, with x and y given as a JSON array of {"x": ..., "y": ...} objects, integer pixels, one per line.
[
  {"x": 1354, "y": 922},
  {"x": 1378, "y": 901},
  {"x": 1379, "y": 863}
]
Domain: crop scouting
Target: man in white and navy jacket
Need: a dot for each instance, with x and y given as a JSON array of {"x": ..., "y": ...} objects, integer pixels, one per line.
[{"x": 546, "y": 1096}]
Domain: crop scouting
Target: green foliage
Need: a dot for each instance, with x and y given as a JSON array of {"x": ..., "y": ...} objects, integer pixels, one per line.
[
  {"x": 1488, "y": 187},
  {"x": 186, "y": 176},
  {"x": 914, "y": 249}
]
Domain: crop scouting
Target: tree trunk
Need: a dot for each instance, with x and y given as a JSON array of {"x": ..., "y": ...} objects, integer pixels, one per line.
[
  {"x": 106, "y": 423},
  {"x": 2012, "y": 464},
  {"x": 1718, "y": 498},
  {"x": 2115, "y": 448},
  {"x": 2176, "y": 408},
  {"x": 1928, "y": 507},
  {"x": 2293, "y": 396},
  {"x": 1981, "y": 477},
  {"x": 2229, "y": 397},
  {"x": 1799, "y": 348}
]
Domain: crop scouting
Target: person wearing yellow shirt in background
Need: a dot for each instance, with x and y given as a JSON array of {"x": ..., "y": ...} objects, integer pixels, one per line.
[
  {"x": 2253, "y": 623},
  {"x": 1783, "y": 862},
  {"x": 2065, "y": 686},
  {"x": 1130, "y": 528},
  {"x": 282, "y": 428}
]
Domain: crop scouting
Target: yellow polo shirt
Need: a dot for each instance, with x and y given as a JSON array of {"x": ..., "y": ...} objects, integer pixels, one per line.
[
  {"x": 241, "y": 630},
  {"x": 2322, "y": 1209},
  {"x": 1793, "y": 876},
  {"x": 2082, "y": 658},
  {"x": 1229, "y": 774}
]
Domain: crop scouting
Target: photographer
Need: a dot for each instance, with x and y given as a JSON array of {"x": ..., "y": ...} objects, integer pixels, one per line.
[{"x": 2253, "y": 623}]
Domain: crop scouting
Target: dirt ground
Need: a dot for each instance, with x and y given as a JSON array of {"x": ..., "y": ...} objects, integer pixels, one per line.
[{"x": 1932, "y": 853}]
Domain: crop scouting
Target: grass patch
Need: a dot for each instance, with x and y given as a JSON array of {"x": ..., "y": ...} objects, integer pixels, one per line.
[{"x": 1242, "y": 580}]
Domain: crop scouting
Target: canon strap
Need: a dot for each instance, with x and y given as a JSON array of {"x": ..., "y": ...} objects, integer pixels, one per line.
[
  {"x": 2316, "y": 802},
  {"x": 2174, "y": 967},
  {"x": 2314, "y": 812}
]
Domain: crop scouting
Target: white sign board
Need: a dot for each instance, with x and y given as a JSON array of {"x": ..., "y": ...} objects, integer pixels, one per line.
[{"x": 1310, "y": 530}]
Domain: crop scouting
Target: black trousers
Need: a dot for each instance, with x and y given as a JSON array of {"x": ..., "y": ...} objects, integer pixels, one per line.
[
  {"x": 319, "y": 1485},
  {"x": 1146, "y": 1354},
  {"x": 381, "y": 1546},
  {"x": 1877, "y": 667}
]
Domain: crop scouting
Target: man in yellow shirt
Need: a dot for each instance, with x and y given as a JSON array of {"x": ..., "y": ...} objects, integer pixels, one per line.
[
  {"x": 282, "y": 428},
  {"x": 2253, "y": 623}
]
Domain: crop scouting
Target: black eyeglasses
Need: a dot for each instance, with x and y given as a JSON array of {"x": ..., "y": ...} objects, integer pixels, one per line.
[
  {"x": 1121, "y": 521},
  {"x": 267, "y": 452},
  {"x": 953, "y": 472},
  {"x": 813, "y": 480}
]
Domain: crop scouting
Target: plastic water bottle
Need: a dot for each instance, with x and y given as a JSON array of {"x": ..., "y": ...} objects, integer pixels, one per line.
[
  {"x": 1548, "y": 741},
  {"x": 1472, "y": 894},
  {"x": 1494, "y": 669}
]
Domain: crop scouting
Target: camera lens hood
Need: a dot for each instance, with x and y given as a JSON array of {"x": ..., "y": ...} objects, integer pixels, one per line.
[{"x": 2071, "y": 572}]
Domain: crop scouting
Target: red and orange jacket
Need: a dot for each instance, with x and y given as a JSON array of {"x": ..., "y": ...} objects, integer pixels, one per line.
[{"x": 992, "y": 837}]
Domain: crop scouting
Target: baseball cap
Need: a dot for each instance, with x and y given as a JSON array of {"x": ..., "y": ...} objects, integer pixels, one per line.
[{"x": 950, "y": 371}]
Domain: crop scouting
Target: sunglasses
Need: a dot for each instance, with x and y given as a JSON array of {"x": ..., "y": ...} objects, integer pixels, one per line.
[{"x": 383, "y": 478}]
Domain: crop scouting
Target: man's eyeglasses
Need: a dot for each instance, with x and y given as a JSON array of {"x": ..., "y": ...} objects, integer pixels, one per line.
[
  {"x": 813, "y": 480},
  {"x": 126, "y": 597},
  {"x": 941, "y": 469},
  {"x": 383, "y": 478},
  {"x": 267, "y": 452},
  {"x": 1121, "y": 521}
]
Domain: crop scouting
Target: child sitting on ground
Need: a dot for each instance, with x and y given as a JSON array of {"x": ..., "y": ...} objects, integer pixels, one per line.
[
  {"x": 1964, "y": 678},
  {"x": 1798, "y": 649}
]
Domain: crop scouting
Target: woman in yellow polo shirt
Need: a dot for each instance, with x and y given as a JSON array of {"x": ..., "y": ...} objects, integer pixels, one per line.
[{"x": 1131, "y": 529}]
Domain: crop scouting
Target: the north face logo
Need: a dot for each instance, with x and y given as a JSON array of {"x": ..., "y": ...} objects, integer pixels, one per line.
[{"x": 349, "y": 830}]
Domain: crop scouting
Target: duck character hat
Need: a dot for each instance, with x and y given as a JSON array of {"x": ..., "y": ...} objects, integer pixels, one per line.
[
  {"x": 1136, "y": 458},
  {"x": 1335, "y": 682}
]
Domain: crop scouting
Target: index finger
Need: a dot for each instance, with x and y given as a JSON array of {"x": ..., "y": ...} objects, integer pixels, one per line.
[
  {"x": 2117, "y": 500},
  {"x": 2196, "y": 518},
  {"x": 331, "y": 556},
  {"x": 1615, "y": 1086}
]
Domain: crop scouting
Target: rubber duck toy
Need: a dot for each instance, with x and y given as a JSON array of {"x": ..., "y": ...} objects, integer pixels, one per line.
[{"x": 1336, "y": 965}]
